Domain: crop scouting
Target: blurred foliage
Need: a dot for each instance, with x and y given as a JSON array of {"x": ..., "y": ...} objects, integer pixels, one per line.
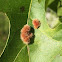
[
  {"x": 4, "y": 29},
  {"x": 52, "y": 18}
]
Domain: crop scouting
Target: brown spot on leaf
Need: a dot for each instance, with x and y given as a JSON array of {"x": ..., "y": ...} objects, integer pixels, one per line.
[{"x": 22, "y": 9}]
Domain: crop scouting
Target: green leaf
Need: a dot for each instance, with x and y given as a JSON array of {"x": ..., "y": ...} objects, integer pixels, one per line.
[
  {"x": 22, "y": 55},
  {"x": 54, "y": 5},
  {"x": 44, "y": 48},
  {"x": 37, "y": 11},
  {"x": 59, "y": 10},
  {"x": 4, "y": 29},
  {"x": 58, "y": 59},
  {"x": 58, "y": 31},
  {"x": 16, "y": 11},
  {"x": 60, "y": 18},
  {"x": 48, "y": 2}
]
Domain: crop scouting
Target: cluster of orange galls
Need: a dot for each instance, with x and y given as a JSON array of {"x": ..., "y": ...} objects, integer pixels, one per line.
[{"x": 26, "y": 35}]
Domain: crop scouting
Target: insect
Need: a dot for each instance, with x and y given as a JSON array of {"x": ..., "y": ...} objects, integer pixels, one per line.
[
  {"x": 26, "y": 35},
  {"x": 36, "y": 23}
]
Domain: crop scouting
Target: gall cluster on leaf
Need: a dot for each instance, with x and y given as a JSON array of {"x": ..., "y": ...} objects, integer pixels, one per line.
[
  {"x": 36, "y": 23},
  {"x": 26, "y": 35}
]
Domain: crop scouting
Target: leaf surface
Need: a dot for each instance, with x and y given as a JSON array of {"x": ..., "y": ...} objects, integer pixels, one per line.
[
  {"x": 16, "y": 11},
  {"x": 44, "y": 48}
]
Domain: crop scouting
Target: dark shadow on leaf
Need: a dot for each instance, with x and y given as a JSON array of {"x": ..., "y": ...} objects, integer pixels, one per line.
[
  {"x": 22, "y": 9},
  {"x": 32, "y": 39},
  {"x": 60, "y": 19},
  {"x": 54, "y": 5}
]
